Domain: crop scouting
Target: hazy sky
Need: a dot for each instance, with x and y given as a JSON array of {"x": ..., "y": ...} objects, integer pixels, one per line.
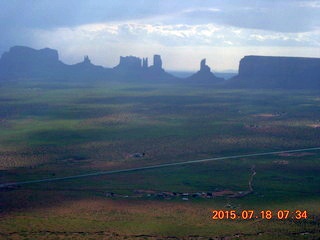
[{"x": 182, "y": 32}]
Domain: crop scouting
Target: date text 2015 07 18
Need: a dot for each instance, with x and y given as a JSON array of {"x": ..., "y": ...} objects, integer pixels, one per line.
[{"x": 263, "y": 214}]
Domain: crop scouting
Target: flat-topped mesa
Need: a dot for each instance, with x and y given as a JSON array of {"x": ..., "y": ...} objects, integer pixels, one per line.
[
  {"x": 278, "y": 72},
  {"x": 22, "y": 61},
  {"x": 20, "y": 55},
  {"x": 130, "y": 63}
]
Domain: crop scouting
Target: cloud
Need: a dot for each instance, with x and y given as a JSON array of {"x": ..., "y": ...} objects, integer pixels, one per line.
[
  {"x": 106, "y": 29},
  {"x": 105, "y": 42},
  {"x": 278, "y": 16},
  {"x": 310, "y": 4},
  {"x": 176, "y": 35},
  {"x": 199, "y": 9}
]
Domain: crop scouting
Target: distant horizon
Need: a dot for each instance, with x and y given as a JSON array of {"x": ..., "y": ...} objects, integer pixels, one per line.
[
  {"x": 182, "y": 32},
  {"x": 149, "y": 58},
  {"x": 192, "y": 70},
  {"x": 115, "y": 61}
]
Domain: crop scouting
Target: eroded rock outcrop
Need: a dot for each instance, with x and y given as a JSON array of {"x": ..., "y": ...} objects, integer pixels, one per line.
[
  {"x": 205, "y": 74},
  {"x": 145, "y": 63},
  {"x": 156, "y": 72},
  {"x": 86, "y": 70},
  {"x": 24, "y": 62},
  {"x": 157, "y": 62},
  {"x": 203, "y": 67}
]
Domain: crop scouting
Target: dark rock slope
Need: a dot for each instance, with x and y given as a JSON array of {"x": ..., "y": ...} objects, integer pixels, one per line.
[{"x": 278, "y": 72}]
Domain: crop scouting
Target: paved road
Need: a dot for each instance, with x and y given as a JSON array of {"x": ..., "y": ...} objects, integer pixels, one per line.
[{"x": 3, "y": 185}]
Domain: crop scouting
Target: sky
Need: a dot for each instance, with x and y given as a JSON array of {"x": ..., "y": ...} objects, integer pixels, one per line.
[{"x": 182, "y": 32}]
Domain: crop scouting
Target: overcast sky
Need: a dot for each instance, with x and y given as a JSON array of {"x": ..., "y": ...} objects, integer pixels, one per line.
[{"x": 182, "y": 32}]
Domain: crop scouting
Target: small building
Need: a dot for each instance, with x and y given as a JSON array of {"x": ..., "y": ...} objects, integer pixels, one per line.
[
  {"x": 138, "y": 155},
  {"x": 109, "y": 194}
]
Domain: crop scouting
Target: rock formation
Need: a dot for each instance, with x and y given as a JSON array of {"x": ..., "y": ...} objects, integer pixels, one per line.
[
  {"x": 205, "y": 74},
  {"x": 145, "y": 63},
  {"x": 278, "y": 72},
  {"x": 254, "y": 71},
  {"x": 203, "y": 67},
  {"x": 129, "y": 63},
  {"x": 27, "y": 62},
  {"x": 24, "y": 54},
  {"x": 86, "y": 60},
  {"x": 157, "y": 62},
  {"x": 156, "y": 72},
  {"x": 85, "y": 70}
]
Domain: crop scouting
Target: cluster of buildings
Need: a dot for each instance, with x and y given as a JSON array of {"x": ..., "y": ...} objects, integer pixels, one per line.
[{"x": 185, "y": 196}]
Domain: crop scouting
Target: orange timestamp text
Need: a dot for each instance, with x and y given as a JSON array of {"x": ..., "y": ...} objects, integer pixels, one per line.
[{"x": 263, "y": 214}]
